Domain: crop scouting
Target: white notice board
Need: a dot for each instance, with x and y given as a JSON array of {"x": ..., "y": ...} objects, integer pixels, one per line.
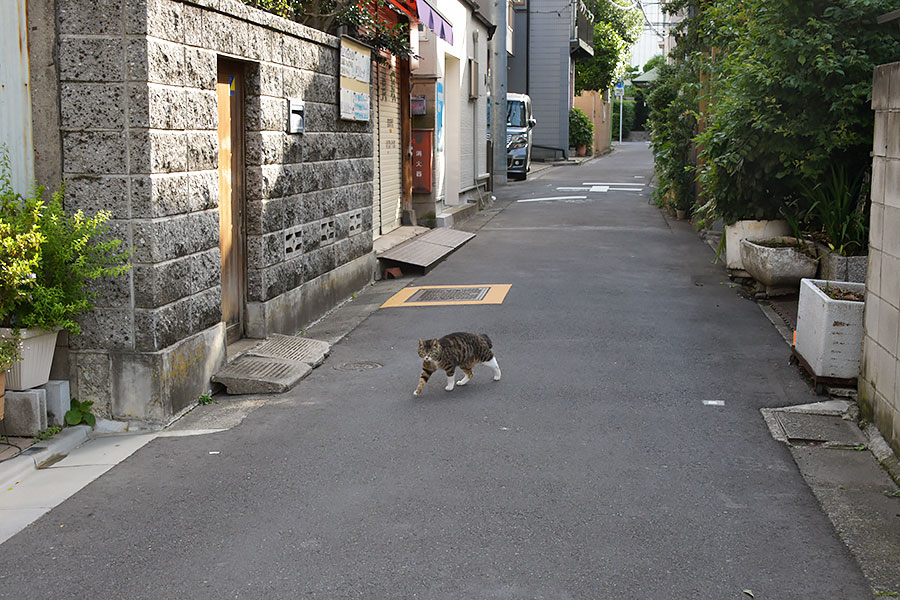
[{"x": 356, "y": 75}]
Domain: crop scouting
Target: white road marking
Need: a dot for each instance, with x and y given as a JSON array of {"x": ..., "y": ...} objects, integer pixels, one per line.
[
  {"x": 714, "y": 403},
  {"x": 628, "y": 183},
  {"x": 553, "y": 198}
]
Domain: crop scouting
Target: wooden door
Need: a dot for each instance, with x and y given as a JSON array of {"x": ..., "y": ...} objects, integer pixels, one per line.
[{"x": 230, "y": 93}]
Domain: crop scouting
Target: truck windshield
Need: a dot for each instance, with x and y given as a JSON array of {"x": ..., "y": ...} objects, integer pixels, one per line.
[{"x": 515, "y": 114}]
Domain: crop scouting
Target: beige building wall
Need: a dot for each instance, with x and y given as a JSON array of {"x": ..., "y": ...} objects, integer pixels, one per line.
[
  {"x": 598, "y": 111},
  {"x": 879, "y": 387}
]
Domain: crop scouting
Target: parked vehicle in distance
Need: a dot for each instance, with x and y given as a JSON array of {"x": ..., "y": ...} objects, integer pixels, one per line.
[{"x": 519, "y": 124}]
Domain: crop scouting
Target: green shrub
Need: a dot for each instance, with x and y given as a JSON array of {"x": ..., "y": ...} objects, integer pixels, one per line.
[
  {"x": 790, "y": 96},
  {"x": 581, "y": 130},
  {"x": 628, "y": 120},
  {"x": 52, "y": 285},
  {"x": 673, "y": 123}
]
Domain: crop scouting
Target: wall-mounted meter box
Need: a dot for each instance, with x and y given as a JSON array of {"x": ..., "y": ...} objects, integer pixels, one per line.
[{"x": 296, "y": 116}]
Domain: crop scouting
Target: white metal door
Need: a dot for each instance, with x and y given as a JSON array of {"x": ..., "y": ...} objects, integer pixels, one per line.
[{"x": 389, "y": 147}]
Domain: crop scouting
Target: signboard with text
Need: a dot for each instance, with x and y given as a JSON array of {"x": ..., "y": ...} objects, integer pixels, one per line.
[
  {"x": 421, "y": 160},
  {"x": 356, "y": 75}
]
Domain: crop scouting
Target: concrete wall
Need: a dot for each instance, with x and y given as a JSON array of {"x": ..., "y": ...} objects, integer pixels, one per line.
[
  {"x": 599, "y": 112},
  {"x": 138, "y": 113},
  {"x": 879, "y": 387}
]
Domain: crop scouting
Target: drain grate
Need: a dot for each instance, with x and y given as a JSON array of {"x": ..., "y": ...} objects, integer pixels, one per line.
[
  {"x": 293, "y": 348},
  {"x": 357, "y": 366},
  {"x": 472, "y": 294},
  {"x": 443, "y": 295}
]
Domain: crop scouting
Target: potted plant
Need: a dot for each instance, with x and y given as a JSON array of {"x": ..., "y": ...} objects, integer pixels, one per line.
[
  {"x": 9, "y": 355},
  {"x": 838, "y": 211},
  {"x": 778, "y": 264},
  {"x": 581, "y": 131},
  {"x": 52, "y": 260},
  {"x": 830, "y": 327}
]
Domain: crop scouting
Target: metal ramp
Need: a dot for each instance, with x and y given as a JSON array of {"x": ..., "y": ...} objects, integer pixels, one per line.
[{"x": 426, "y": 250}]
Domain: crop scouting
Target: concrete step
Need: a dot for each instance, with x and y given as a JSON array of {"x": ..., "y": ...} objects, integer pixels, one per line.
[{"x": 273, "y": 366}]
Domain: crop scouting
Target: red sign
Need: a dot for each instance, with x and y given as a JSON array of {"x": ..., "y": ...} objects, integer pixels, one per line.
[{"x": 421, "y": 160}]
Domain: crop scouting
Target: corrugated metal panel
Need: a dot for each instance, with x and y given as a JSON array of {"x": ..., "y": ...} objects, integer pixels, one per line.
[
  {"x": 15, "y": 93},
  {"x": 390, "y": 146}
]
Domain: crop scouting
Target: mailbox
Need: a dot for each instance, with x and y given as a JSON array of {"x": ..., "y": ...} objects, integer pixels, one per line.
[{"x": 296, "y": 116}]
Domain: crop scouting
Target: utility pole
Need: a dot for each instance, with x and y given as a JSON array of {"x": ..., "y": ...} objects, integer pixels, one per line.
[
  {"x": 498, "y": 92},
  {"x": 620, "y": 94}
]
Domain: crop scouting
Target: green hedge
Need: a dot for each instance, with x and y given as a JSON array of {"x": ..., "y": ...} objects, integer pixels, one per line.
[{"x": 629, "y": 119}]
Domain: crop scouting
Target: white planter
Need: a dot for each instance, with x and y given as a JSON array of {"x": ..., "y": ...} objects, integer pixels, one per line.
[
  {"x": 830, "y": 332},
  {"x": 37, "y": 350},
  {"x": 750, "y": 230},
  {"x": 778, "y": 269}
]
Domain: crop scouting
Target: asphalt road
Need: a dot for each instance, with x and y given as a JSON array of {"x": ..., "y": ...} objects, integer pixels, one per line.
[{"x": 592, "y": 470}]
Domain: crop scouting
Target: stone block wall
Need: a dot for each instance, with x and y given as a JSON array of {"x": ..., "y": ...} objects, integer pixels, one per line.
[
  {"x": 138, "y": 128},
  {"x": 879, "y": 387}
]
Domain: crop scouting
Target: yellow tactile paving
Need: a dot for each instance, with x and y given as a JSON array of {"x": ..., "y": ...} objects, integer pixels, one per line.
[{"x": 495, "y": 295}]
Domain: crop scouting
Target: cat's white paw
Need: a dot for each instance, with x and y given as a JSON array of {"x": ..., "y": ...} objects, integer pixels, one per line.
[
  {"x": 497, "y": 377},
  {"x": 463, "y": 381},
  {"x": 415, "y": 392}
]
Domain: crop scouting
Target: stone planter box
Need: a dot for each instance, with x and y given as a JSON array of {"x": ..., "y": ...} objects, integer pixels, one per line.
[
  {"x": 753, "y": 231},
  {"x": 834, "y": 267},
  {"x": 37, "y": 350},
  {"x": 829, "y": 331},
  {"x": 779, "y": 270}
]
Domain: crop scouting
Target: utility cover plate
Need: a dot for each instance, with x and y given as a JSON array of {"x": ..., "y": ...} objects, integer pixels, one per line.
[
  {"x": 261, "y": 375},
  {"x": 444, "y": 295},
  {"x": 804, "y": 427},
  {"x": 289, "y": 347}
]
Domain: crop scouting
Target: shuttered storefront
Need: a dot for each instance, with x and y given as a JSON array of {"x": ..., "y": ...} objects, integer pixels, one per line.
[{"x": 388, "y": 149}]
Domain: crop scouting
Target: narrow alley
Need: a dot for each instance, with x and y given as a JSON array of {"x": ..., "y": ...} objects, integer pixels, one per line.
[{"x": 621, "y": 456}]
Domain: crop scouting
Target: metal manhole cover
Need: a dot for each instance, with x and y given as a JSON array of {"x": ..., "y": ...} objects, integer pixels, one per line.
[
  {"x": 357, "y": 366},
  {"x": 444, "y": 294}
]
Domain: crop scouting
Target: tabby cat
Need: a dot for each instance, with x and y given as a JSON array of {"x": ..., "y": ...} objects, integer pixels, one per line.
[{"x": 463, "y": 350}]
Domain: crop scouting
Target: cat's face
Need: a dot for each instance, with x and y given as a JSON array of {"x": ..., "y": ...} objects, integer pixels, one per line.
[{"x": 429, "y": 349}]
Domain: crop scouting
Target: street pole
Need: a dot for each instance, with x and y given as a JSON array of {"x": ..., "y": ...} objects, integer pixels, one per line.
[
  {"x": 620, "y": 95},
  {"x": 498, "y": 93}
]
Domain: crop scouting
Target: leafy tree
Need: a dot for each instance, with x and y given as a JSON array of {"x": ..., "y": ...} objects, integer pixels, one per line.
[
  {"x": 654, "y": 61},
  {"x": 791, "y": 89},
  {"x": 673, "y": 102},
  {"x": 328, "y": 15},
  {"x": 616, "y": 28}
]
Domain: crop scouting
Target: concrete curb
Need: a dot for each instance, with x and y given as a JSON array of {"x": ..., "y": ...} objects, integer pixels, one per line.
[{"x": 31, "y": 458}]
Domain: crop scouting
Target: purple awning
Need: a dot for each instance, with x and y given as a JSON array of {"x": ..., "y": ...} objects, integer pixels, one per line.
[{"x": 434, "y": 21}]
